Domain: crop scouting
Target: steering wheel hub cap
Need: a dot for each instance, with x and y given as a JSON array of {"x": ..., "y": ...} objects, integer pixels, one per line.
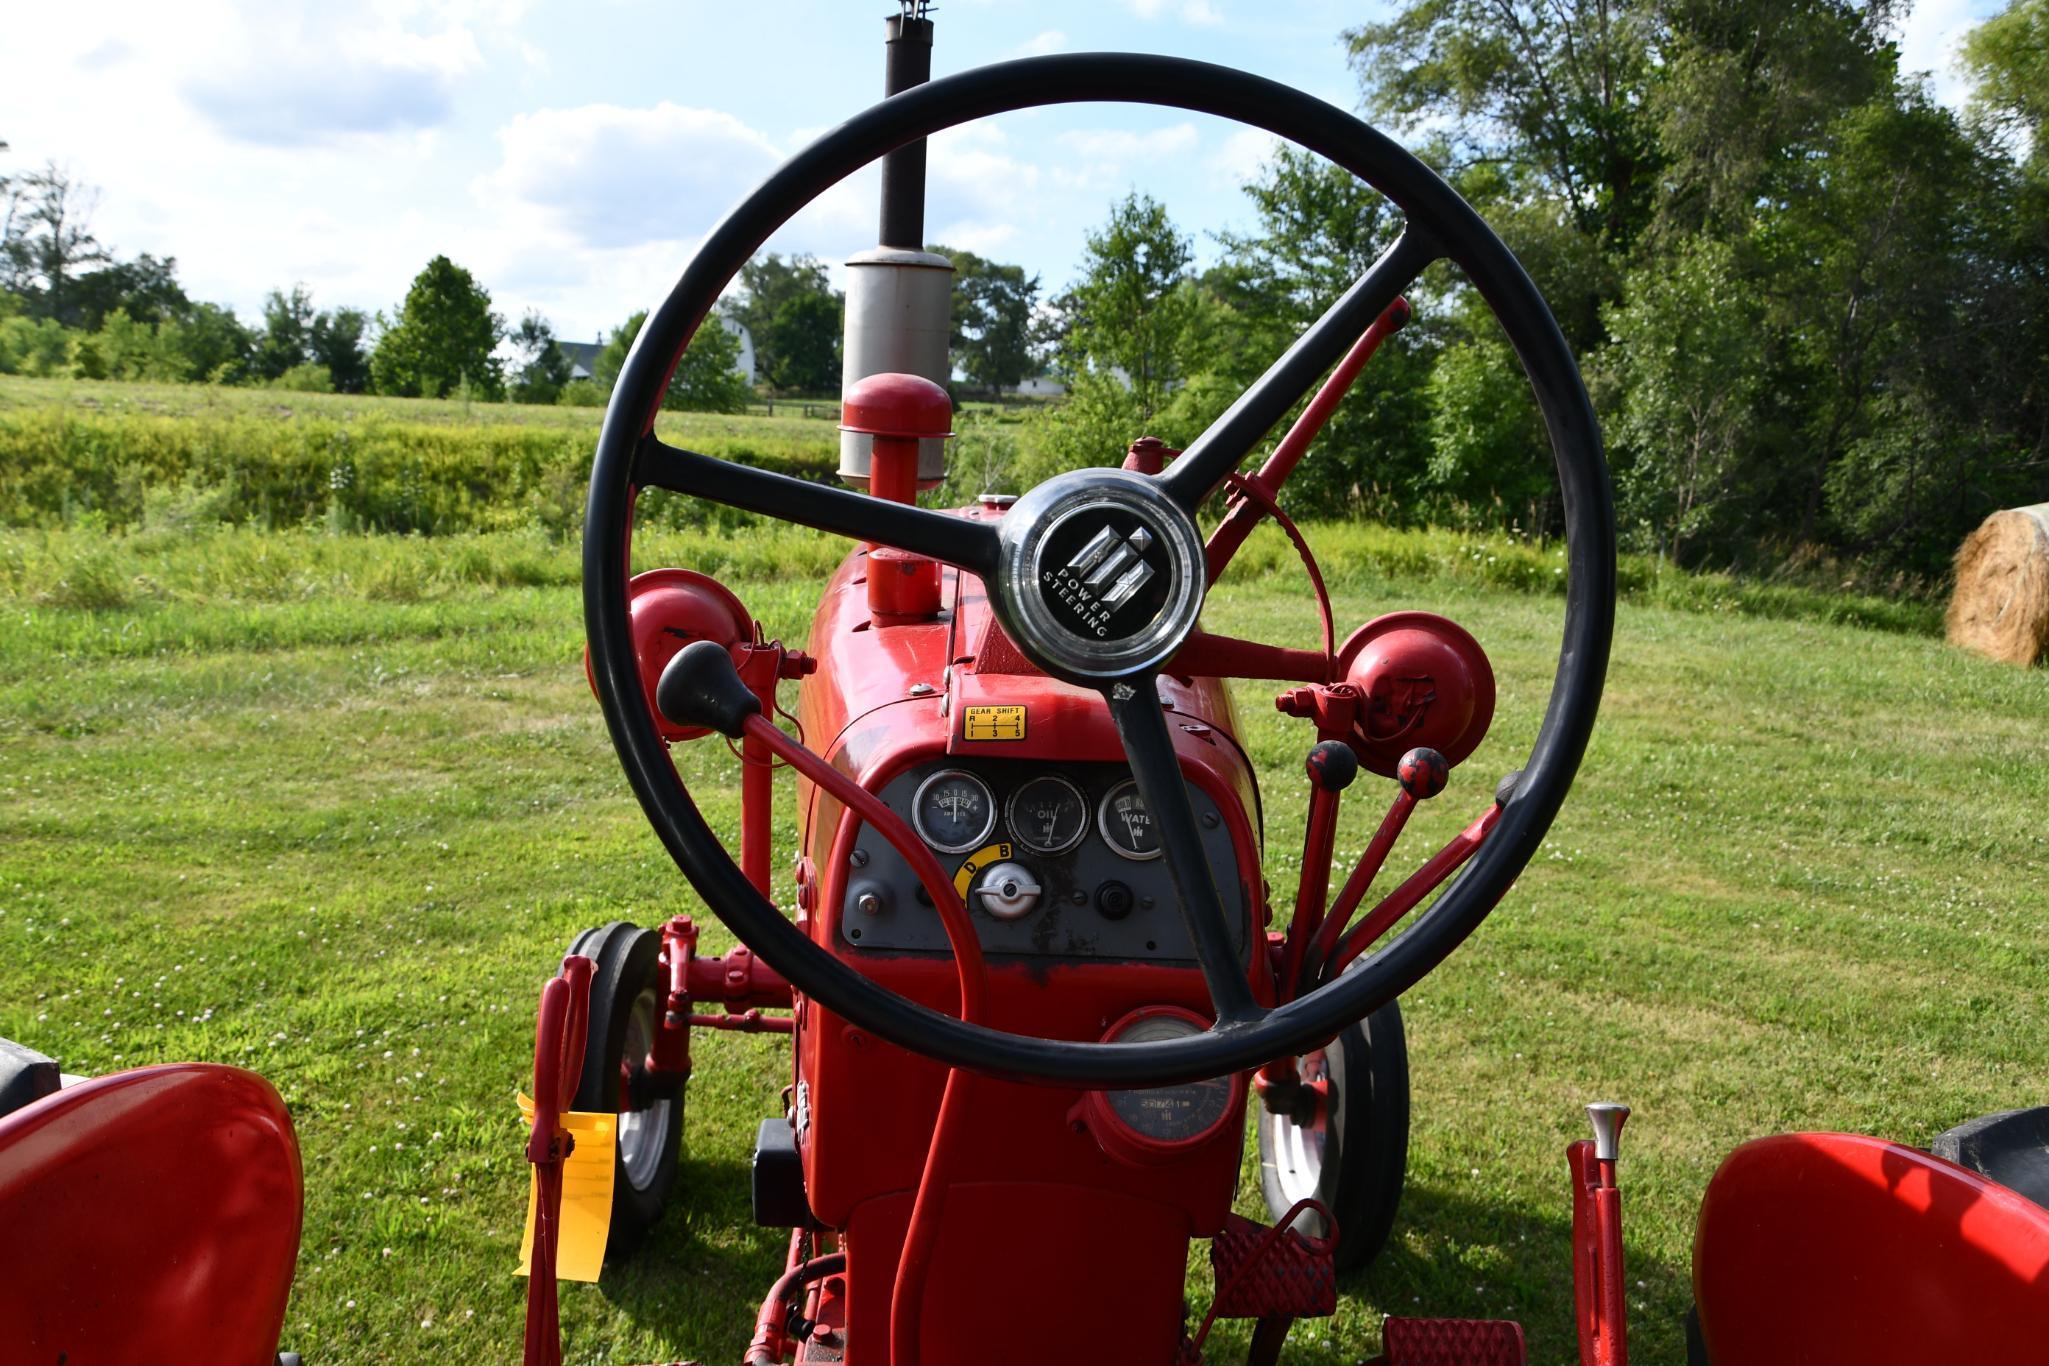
[{"x": 1101, "y": 574}]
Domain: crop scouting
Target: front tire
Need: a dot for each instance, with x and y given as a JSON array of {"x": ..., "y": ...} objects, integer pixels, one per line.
[
  {"x": 1356, "y": 1157},
  {"x": 626, "y": 1001}
]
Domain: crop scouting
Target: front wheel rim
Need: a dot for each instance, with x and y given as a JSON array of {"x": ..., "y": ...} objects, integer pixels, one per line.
[
  {"x": 643, "y": 1132},
  {"x": 1303, "y": 1156}
]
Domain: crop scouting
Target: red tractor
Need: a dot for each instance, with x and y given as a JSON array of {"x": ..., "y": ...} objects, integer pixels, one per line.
[{"x": 1036, "y": 980}]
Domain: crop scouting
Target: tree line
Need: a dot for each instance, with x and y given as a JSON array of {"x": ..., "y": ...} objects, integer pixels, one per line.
[
  {"x": 1810, "y": 302},
  {"x": 68, "y": 306}
]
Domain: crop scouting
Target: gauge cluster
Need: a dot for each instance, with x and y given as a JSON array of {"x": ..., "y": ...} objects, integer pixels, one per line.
[{"x": 1055, "y": 860}]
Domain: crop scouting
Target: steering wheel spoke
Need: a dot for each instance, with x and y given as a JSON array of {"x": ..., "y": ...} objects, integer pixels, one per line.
[
  {"x": 1142, "y": 725},
  {"x": 1222, "y": 448},
  {"x": 953, "y": 540}
]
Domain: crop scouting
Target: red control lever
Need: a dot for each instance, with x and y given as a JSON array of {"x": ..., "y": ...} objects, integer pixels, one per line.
[{"x": 1597, "y": 1283}]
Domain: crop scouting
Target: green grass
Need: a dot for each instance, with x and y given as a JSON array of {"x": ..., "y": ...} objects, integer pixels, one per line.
[{"x": 329, "y": 807}]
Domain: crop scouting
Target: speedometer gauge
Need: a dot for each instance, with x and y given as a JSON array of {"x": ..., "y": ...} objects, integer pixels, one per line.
[
  {"x": 1127, "y": 826},
  {"x": 1048, "y": 815},
  {"x": 954, "y": 811}
]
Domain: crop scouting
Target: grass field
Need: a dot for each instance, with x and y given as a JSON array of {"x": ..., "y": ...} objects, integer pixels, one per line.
[{"x": 330, "y": 806}]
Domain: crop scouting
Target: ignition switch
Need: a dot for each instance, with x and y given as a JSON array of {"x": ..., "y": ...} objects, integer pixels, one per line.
[{"x": 1008, "y": 891}]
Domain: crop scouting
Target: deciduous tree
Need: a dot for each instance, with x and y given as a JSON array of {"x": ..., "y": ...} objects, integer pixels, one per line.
[
  {"x": 1126, "y": 314},
  {"x": 540, "y": 369},
  {"x": 288, "y": 320},
  {"x": 444, "y": 335},
  {"x": 790, "y": 308},
  {"x": 706, "y": 380},
  {"x": 993, "y": 306},
  {"x": 46, "y": 240},
  {"x": 336, "y": 341}
]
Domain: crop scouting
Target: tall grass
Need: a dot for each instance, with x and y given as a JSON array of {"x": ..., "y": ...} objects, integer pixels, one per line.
[{"x": 350, "y": 462}]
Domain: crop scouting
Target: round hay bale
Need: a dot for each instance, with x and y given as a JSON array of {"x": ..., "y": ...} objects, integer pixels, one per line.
[{"x": 2001, "y": 604}]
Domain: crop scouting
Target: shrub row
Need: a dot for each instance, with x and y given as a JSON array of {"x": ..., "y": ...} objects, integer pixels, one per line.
[{"x": 360, "y": 472}]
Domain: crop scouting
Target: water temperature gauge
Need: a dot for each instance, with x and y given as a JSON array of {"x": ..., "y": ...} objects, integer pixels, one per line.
[
  {"x": 1126, "y": 824},
  {"x": 954, "y": 811},
  {"x": 1048, "y": 815}
]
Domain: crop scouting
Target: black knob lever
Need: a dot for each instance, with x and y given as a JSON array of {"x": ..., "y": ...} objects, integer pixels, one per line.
[{"x": 701, "y": 687}]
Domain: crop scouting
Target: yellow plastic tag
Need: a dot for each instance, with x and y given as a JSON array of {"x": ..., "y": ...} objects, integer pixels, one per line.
[
  {"x": 993, "y": 723},
  {"x": 586, "y": 1196},
  {"x": 964, "y": 876}
]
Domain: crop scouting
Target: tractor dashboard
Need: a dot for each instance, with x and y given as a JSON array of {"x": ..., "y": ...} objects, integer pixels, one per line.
[{"x": 1053, "y": 860}]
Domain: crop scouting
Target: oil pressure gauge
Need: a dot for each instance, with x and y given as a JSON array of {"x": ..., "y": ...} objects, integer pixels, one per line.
[
  {"x": 1048, "y": 815},
  {"x": 1126, "y": 825},
  {"x": 954, "y": 811}
]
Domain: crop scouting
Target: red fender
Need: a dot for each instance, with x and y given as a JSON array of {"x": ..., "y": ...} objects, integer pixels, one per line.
[
  {"x": 150, "y": 1215},
  {"x": 1822, "y": 1248}
]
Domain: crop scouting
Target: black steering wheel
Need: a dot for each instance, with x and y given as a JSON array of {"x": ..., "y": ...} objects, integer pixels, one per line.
[{"x": 1120, "y": 655}]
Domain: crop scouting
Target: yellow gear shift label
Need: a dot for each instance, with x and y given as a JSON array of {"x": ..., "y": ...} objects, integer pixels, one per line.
[
  {"x": 586, "y": 1196},
  {"x": 977, "y": 861},
  {"x": 993, "y": 723}
]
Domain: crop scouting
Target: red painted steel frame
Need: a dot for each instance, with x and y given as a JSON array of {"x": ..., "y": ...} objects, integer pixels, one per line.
[
  {"x": 559, "y": 1037},
  {"x": 1239, "y": 522},
  {"x": 1015, "y": 1159},
  {"x": 892, "y": 1153},
  {"x": 149, "y": 1216},
  {"x": 914, "y": 1261}
]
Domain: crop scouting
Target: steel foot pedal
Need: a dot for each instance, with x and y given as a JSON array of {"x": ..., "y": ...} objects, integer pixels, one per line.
[
  {"x": 1452, "y": 1342},
  {"x": 1260, "y": 1275}
]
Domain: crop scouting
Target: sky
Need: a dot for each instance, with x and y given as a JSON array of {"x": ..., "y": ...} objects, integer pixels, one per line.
[{"x": 572, "y": 156}]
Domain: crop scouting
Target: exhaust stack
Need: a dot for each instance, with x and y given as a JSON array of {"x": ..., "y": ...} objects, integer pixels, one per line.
[{"x": 899, "y": 296}]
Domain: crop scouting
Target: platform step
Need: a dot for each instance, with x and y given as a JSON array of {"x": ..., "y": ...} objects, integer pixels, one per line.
[{"x": 1452, "y": 1342}]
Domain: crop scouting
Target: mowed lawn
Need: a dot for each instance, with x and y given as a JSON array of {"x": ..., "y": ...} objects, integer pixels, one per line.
[{"x": 340, "y": 837}]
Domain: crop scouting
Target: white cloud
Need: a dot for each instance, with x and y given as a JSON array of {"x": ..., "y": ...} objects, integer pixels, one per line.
[
  {"x": 1122, "y": 146},
  {"x": 1243, "y": 154},
  {"x": 1929, "y": 38},
  {"x": 611, "y": 176},
  {"x": 1201, "y": 12},
  {"x": 1098, "y": 158},
  {"x": 287, "y": 75},
  {"x": 983, "y": 239},
  {"x": 1052, "y": 40}
]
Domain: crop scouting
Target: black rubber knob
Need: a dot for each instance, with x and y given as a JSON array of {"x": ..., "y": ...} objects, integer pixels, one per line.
[
  {"x": 700, "y": 687},
  {"x": 1422, "y": 773},
  {"x": 1113, "y": 900},
  {"x": 1504, "y": 791},
  {"x": 1332, "y": 765}
]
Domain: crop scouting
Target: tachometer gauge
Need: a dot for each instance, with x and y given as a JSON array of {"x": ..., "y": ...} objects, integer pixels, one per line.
[
  {"x": 1126, "y": 825},
  {"x": 954, "y": 811},
  {"x": 1048, "y": 815},
  {"x": 1160, "y": 1123}
]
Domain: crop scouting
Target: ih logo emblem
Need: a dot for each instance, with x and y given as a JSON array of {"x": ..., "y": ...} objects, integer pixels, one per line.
[{"x": 1103, "y": 576}]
